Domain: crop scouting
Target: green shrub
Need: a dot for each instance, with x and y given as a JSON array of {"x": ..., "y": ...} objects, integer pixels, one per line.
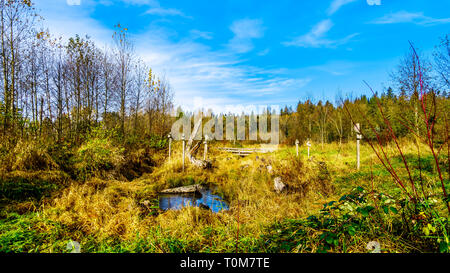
[
  {"x": 156, "y": 142},
  {"x": 97, "y": 155},
  {"x": 357, "y": 218}
]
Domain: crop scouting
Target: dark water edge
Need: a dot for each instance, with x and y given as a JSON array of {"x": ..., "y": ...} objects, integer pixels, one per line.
[{"x": 205, "y": 199}]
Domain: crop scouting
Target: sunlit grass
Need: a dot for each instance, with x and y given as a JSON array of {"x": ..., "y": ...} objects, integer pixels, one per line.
[{"x": 120, "y": 216}]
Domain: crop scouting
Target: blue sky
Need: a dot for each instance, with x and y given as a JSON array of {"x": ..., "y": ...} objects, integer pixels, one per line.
[{"x": 227, "y": 55}]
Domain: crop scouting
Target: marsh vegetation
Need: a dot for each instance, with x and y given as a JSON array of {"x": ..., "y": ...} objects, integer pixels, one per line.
[{"x": 84, "y": 157}]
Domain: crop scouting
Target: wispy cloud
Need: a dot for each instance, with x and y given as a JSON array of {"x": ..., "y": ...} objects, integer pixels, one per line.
[
  {"x": 154, "y": 6},
  {"x": 410, "y": 17},
  {"x": 337, "y": 4},
  {"x": 244, "y": 31},
  {"x": 219, "y": 78},
  {"x": 196, "y": 34},
  {"x": 141, "y": 2},
  {"x": 73, "y": 2},
  {"x": 316, "y": 37},
  {"x": 152, "y": 3},
  {"x": 166, "y": 12}
]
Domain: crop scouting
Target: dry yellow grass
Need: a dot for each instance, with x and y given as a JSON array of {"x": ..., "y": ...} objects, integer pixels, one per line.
[
  {"x": 107, "y": 209},
  {"x": 114, "y": 208}
]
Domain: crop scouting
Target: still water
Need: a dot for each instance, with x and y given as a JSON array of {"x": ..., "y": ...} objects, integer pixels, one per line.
[{"x": 206, "y": 198}]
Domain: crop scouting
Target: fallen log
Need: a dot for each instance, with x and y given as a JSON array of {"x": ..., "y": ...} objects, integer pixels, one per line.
[{"x": 185, "y": 189}]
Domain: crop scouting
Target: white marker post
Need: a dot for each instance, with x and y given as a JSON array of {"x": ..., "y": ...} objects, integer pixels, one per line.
[
  {"x": 357, "y": 129},
  {"x": 184, "y": 147},
  {"x": 296, "y": 145},
  {"x": 170, "y": 144},
  {"x": 309, "y": 145},
  {"x": 206, "y": 147}
]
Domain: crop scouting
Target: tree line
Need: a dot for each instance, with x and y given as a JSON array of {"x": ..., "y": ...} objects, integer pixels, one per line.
[
  {"x": 59, "y": 90},
  {"x": 324, "y": 121}
]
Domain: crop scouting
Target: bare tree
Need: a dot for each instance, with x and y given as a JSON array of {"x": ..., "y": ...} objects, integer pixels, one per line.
[
  {"x": 17, "y": 20},
  {"x": 140, "y": 73},
  {"x": 123, "y": 52},
  {"x": 442, "y": 60}
]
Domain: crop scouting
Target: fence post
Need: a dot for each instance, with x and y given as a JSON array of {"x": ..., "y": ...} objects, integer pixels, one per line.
[
  {"x": 309, "y": 145},
  {"x": 170, "y": 145},
  {"x": 296, "y": 145},
  {"x": 358, "y": 137},
  {"x": 184, "y": 147},
  {"x": 206, "y": 147}
]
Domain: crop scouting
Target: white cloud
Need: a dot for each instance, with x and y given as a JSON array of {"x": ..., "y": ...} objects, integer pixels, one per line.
[
  {"x": 196, "y": 34},
  {"x": 151, "y": 3},
  {"x": 155, "y": 7},
  {"x": 244, "y": 31},
  {"x": 337, "y": 4},
  {"x": 73, "y": 2},
  {"x": 219, "y": 77},
  {"x": 374, "y": 2},
  {"x": 154, "y": 3},
  {"x": 62, "y": 21},
  {"x": 247, "y": 28},
  {"x": 339, "y": 67},
  {"x": 410, "y": 17},
  {"x": 165, "y": 12},
  {"x": 315, "y": 37}
]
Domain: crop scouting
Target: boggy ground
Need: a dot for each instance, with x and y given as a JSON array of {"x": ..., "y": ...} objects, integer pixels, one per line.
[{"x": 328, "y": 206}]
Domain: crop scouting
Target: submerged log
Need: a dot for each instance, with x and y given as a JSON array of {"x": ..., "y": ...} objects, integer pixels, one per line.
[{"x": 186, "y": 189}]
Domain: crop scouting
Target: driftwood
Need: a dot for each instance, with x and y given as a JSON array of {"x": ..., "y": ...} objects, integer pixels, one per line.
[
  {"x": 191, "y": 152},
  {"x": 186, "y": 189}
]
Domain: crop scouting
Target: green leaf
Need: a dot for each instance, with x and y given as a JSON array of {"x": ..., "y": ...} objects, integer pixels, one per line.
[
  {"x": 351, "y": 230},
  {"x": 330, "y": 240},
  {"x": 394, "y": 210},
  {"x": 426, "y": 231},
  {"x": 344, "y": 197},
  {"x": 443, "y": 247},
  {"x": 336, "y": 242}
]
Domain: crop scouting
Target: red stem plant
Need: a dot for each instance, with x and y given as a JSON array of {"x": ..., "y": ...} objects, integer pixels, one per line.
[{"x": 429, "y": 117}]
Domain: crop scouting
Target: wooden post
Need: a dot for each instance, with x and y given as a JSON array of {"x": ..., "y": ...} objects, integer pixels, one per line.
[
  {"x": 206, "y": 147},
  {"x": 357, "y": 154},
  {"x": 170, "y": 145},
  {"x": 296, "y": 145},
  {"x": 358, "y": 137},
  {"x": 183, "y": 138},
  {"x": 309, "y": 145}
]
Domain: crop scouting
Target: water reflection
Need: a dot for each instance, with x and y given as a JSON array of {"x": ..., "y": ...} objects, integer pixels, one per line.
[{"x": 205, "y": 199}]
